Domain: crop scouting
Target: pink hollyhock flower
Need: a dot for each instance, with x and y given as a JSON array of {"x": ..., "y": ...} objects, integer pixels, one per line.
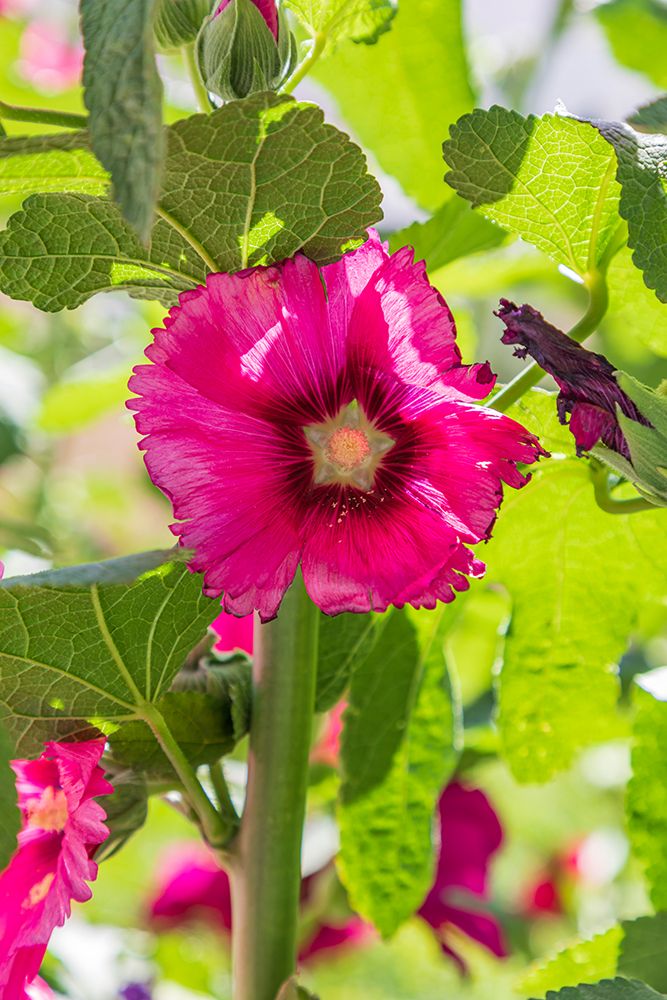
[
  {"x": 62, "y": 827},
  {"x": 233, "y": 633},
  {"x": 588, "y": 388},
  {"x": 191, "y": 885},
  {"x": 470, "y": 834},
  {"x": 541, "y": 897},
  {"x": 267, "y": 9},
  {"x": 322, "y": 416},
  {"x": 327, "y": 748},
  {"x": 48, "y": 60}
]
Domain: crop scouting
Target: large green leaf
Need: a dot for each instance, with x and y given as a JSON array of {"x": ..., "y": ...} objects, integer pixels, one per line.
[
  {"x": 634, "y": 310},
  {"x": 565, "y": 564},
  {"x": 83, "y": 645},
  {"x": 262, "y": 178},
  {"x": 550, "y": 180},
  {"x": 399, "y": 747},
  {"x": 10, "y": 817},
  {"x": 334, "y": 20},
  {"x": 400, "y": 95},
  {"x": 637, "y": 33},
  {"x": 252, "y": 183},
  {"x": 60, "y": 162},
  {"x": 651, "y": 117},
  {"x": 633, "y": 949},
  {"x": 123, "y": 93},
  {"x": 646, "y": 802},
  {"x": 642, "y": 169},
  {"x": 344, "y": 641},
  {"x": 608, "y": 989},
  {"x": 456, "y": 230}
]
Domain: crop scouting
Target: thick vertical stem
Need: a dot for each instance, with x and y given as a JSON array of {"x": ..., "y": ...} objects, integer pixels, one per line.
[{"x": 266, "y": 865}]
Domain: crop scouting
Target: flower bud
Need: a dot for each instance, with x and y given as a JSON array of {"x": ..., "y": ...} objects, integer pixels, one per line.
[
  {"x": 245, "y": 46},
  {"x": 177, "y": 22}
]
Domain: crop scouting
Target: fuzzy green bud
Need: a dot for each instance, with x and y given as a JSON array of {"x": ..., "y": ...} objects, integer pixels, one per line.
[{"x": 177, "y": 22}]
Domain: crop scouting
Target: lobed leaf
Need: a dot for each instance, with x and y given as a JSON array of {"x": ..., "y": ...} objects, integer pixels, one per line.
[
  {"x": 85, "y": 646},
  {"x": 565, "y": 564},
  {"x": 400, "y": 95},
  {"x": 399, "y": 747},
  {"x": 252, "y": 183},
  {"x": 550, "y": 180},
  {"x": 608, "y": 989},
  {"x": 123, "y": 93},
  {"x": 651, "y": 117}
]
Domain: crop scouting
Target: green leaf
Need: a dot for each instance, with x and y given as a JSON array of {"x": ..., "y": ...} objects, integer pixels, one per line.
[
  {"x": 565, "y": 564},
  {"x": 608, "y": 989},
  {"x": 84, "y": 646},
  {"x": 10, "y": 817},
  {"x": 651, "y": 117},
  {"x": 60, "y": 162},
  {"x": 549, "y": 180},
  {"x": 126, "y": 809},
  {"x": 646, "y": 801},
  {"x": 336, "y": 20},
  {"x": 400, "y": 96},
  {"x": 454, "y": 231},
  {"x": 68, "y": 406},
  {"x": 62, "y": 248},
  {"x": 265, "y": 177},
  {"x": 205, "y": 742},
  {"x": 123, "y": 93},
  {"x": 252, "y": 183},
  {"x": 642, "y": 168},
  {"x": 631, "y": 949},
  {"x": 585, "y": 961},
  {"x": 344, "y": 641},
  {"x": 399, "y": 747},
  {"x": 637, "y": 33}
]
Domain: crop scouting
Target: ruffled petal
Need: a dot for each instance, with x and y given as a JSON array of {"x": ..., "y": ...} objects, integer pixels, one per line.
[
  {"x": 402, "y": 326},
  {"x": 362, "y": 554},
  {"x": 230, "y": 479}
]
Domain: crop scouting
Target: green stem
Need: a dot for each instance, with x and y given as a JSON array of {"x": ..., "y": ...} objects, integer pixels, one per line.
[
  {"x": 319, "y": 41},
  {"x": 266, "y": 858},
  {"x": 212, "y": 824},
  {"x": 201, "y": 93},
  {"x": 598, "y": 300},
  {"x": 227, "y": 810},
  {"x": 603, "y": 498},
  {"x": 42, "y": 116}
]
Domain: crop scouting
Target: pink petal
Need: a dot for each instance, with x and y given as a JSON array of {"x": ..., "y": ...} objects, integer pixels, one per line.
[{"x": 234, "y": 633}]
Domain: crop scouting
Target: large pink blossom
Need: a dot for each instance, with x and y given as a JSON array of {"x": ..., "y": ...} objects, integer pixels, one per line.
[
  {"x": 62, "y": 826},
  {"x": 323, "y": 417},
  {"x": 48, "y": 59},
  {"x": 470, "y": 834},
  {"x": 192, "y": 886}
]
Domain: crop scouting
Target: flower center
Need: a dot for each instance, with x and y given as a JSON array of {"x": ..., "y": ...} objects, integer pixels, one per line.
[
  {"x": 48, "y": 812},
  {"x": 347, "y": 449}
]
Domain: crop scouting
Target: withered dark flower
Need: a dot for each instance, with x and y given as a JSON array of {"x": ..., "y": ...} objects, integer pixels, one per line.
[{"x": 589, "y": 390}]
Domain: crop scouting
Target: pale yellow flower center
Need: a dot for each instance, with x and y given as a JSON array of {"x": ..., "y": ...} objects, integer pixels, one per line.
[
  {"x": 347, "y": 449},
  {"x": 48, "y": 812}
]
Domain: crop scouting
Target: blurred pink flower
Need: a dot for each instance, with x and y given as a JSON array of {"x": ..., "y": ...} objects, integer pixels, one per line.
[
  {"x": 48, "y": 60},
  {"x": 470, "y": 834},
  {"x": 62, "y": 826},
  {"x": 191, "y": 885},
  {"x": 233, "y": 633},
  {"x": 267, "y": 9},
  {"x": 327, "y": 748},
  {"x": 39, "y": 990},
  {"x": 322, "y": 417}
]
